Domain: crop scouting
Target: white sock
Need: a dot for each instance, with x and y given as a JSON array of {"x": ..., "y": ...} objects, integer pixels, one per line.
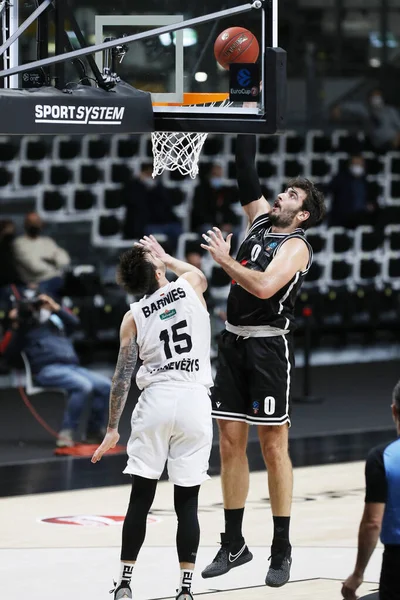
[
  {"x": 186, "y": 579},
  {"x": 125, "y": 575}
]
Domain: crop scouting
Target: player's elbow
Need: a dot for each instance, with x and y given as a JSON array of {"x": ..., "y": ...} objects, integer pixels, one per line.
[
  {"x": 263, "y": 292},
  {"x": 372, "y": 525},
  {"x": 203, "y": 282}
]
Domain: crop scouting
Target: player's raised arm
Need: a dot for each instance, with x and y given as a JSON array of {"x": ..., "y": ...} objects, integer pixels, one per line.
[
  {"x": 121, "y": 383},
  {"x": 195, "y": 277},
  {"x": 292, "y": 257},
  {"x": 250, "y": 194}
]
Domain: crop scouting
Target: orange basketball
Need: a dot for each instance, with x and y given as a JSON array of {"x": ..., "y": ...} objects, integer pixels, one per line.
[{"x": 236, "y": 45}]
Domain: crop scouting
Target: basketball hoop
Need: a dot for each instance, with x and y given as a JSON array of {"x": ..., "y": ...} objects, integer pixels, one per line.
[{"x": 180, "y": 151}]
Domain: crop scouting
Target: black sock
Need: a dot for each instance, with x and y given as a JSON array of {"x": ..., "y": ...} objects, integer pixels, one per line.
[
  {"x": 233, "y": 523},
  {"x": 281, "y": 532}
]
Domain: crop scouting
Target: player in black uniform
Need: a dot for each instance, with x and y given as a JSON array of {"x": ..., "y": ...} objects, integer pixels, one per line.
[
  {"x": 381, "y": 515},
  {"x": 255, "y": 357}
]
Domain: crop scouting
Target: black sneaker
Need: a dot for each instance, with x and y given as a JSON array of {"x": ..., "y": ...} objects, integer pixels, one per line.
[
  {"x": 279, "y": 569},
  {"x": 185, "y": 594},
  {"x": 228, "y": 557}
]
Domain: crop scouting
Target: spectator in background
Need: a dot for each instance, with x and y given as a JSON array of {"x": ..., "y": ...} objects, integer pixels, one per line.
[
  {"x": 149, "y": 208},
  {"x": 39, "y": 259},
  {"x": 212, "y": 202},
  {"x": 40, "y": 328},
  {"x": 381, "y": 515},
  {"x": 8, "y": 273},
  {"x": 352, "y": 201},
  {"x": 380, "y": 121}
]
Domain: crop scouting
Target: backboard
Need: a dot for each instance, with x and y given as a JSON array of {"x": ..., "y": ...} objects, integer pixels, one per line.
[{"x": 177, "y": 66}]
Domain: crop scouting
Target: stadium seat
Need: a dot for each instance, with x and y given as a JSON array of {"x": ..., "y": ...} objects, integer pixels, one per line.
[
  {"x": 121, "y": 173},
  {"x": 266, "y": 145},
  {"x": 333, "y": 306},
  {"x": 390, "y": 214},
  {"x": 373, "y": 166},
  {"x": 124, "y": 147},
  {"x": 6, "y": 177},
  {"x": 317, "y": 239},
  {"x": 315, "y": 275},
  {"x": 66, "y": 148},
  {"x": 34, "y": 148},
  {"x": 60, "y": 175},
  {"x": 30, "y": 387},
  {"x": 52, "y": 204},
  {"x": 265, "y": 169},
  {"x": 392, "y": 238},
  {"x": 318, "y": 142},
  {"x": 292, "y": 168},
  {"x": 395, "y": 163},
  {"x": 320, "y": 167},
  {"x": 349, "y": 143},
  {"x": 340, "y": 240},
  {"x": 90, "y": 174},
  {"x": 9, "y": 149},
  {"x": 295, "y": 143},
  {"x": 361, "y": 307},
  {"x": 29, "y": 176},
  {"x": 111, "y": 197},
  {"x": 339, "y": 271},
  {"x": 391, "y": 269},
  {"x": 95, "y": 147},
  {"x": 213, "y": 145},
  {"x": 367, "y": 270},
  {"x": 395, "y": 188},
  {"x": 366, "y": 240},
  {"x": 84, "y": 199}
]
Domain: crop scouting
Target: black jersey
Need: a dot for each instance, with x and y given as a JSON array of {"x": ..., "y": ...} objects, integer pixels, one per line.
[{"x": 256, "y": 252}]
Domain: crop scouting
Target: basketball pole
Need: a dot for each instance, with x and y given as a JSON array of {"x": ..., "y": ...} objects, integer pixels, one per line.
[{"x": 257, "y": 4}]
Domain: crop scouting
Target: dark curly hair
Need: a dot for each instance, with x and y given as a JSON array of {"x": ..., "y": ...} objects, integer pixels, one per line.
[
  {"x": 136, "y": 273},
  {"x": 314, "y": 202}
]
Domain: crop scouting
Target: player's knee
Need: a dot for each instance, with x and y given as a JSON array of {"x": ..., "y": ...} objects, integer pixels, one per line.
[
  {"x": 84, "y": 386},
  {"x": 186, "y": 502},
  {"x": 231, "y": 446},
  {"x": 274, "y": 453}
]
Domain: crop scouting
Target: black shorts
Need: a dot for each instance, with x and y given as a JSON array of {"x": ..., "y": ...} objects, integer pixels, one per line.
[
  {"x": 252, "y": 383},
  {"x": 389, "y": 584}
]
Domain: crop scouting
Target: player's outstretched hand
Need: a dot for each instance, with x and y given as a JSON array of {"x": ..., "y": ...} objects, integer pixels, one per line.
[
  {"x": 111, "y": 439},
  {"x": 155, "y": 247},
  {"x": 350, "y": 586},
  {"x": 218, "y": 247}
]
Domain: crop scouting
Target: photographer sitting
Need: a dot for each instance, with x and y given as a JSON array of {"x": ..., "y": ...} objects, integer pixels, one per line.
[{"x": 40, "y": 328}]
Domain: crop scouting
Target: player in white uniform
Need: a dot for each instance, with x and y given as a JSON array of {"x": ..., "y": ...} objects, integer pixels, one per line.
[{"x": 169, "y": 328}]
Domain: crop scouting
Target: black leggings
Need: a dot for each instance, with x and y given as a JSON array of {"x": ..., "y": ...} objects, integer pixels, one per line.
[{"x": 141, "y": 499}]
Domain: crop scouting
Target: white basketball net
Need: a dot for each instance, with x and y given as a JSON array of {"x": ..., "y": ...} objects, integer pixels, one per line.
[{"x": 179, "y": 151}]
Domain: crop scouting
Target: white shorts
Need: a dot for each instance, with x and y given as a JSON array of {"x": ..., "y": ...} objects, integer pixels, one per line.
[{"x": 171, "y": 424}]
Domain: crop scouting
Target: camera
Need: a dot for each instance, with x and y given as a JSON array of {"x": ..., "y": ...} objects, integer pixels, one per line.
[{"x": 28, "y": 306}]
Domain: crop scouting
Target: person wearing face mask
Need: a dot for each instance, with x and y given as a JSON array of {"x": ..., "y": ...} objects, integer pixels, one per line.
[
  {"x": 39, "y": 259},
  {"x": 352, "y": 202},
  {"x": 40, "y": 328},
  {"x": 149, "y": 208},
  {"x": 380, "y": 120},
  {"x": 212, "y": 202}
]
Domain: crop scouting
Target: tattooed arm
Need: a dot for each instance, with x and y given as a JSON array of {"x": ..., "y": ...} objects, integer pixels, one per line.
[{"x": 121, "y": 383}]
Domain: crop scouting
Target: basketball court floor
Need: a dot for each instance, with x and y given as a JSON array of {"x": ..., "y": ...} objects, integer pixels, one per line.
[{"x": 65, "y": 545}]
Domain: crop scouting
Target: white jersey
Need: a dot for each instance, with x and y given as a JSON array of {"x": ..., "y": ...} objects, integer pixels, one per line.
[{"x": 173, "y": 335}]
